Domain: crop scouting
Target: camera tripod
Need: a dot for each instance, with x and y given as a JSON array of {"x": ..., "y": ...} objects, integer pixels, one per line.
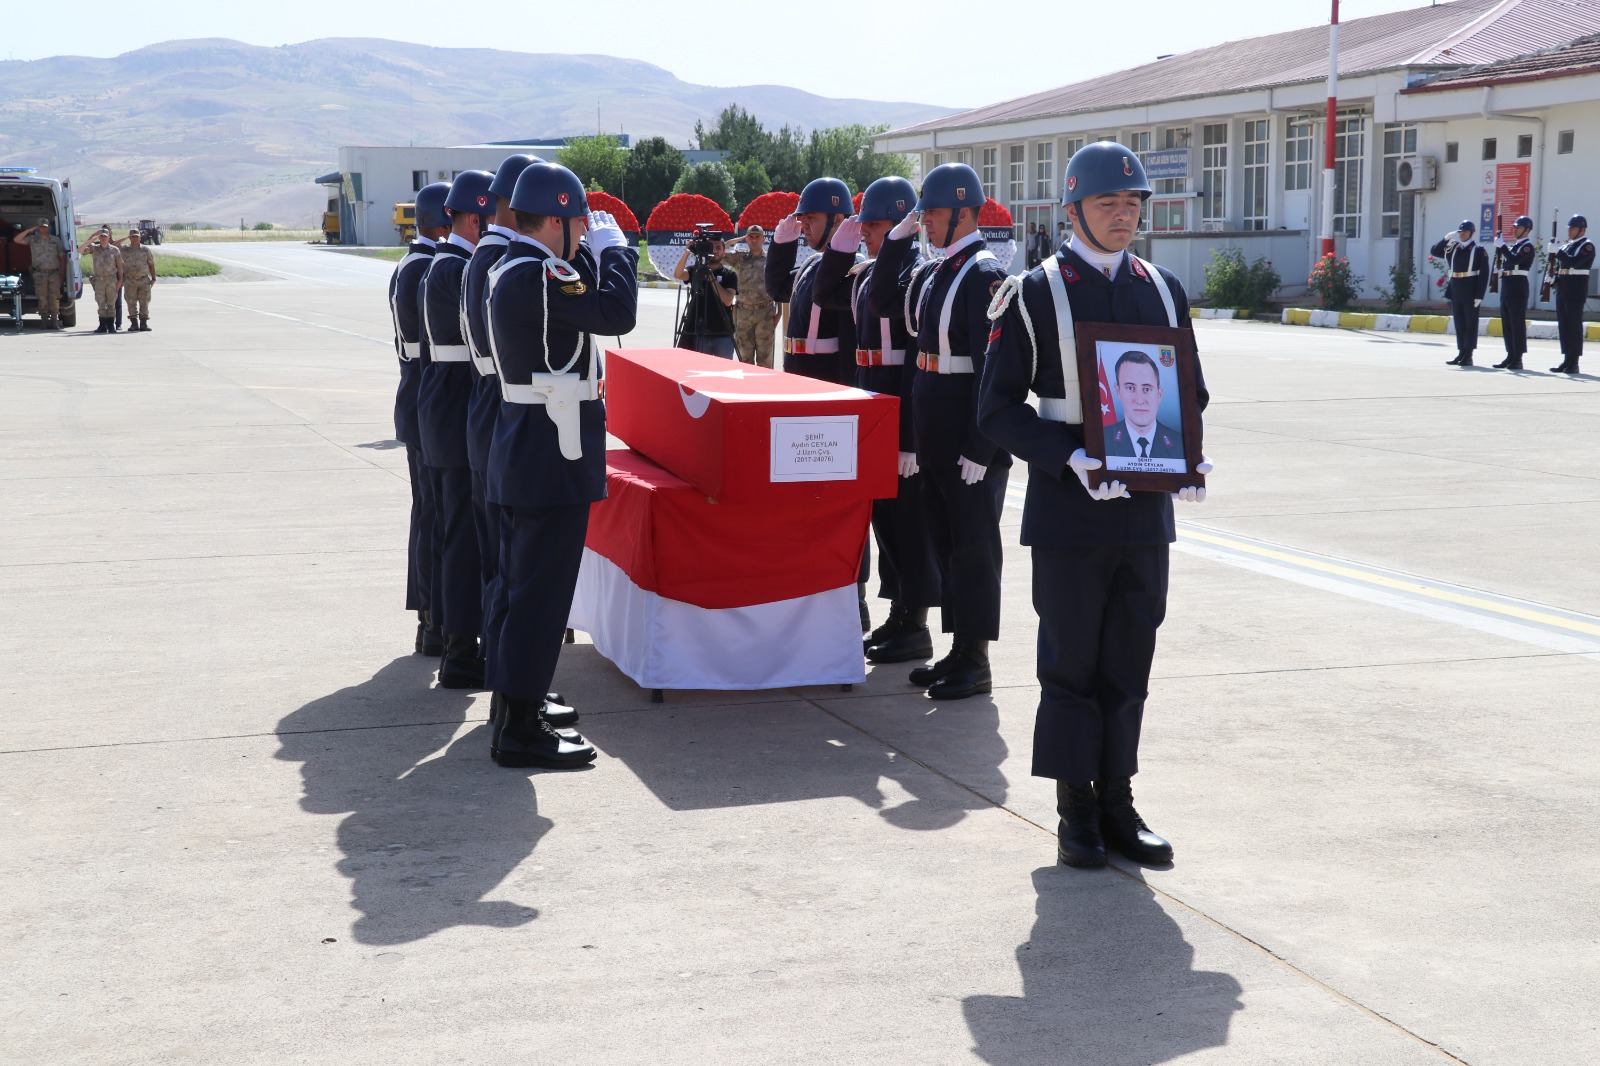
[{"x": 704, "y": 316}]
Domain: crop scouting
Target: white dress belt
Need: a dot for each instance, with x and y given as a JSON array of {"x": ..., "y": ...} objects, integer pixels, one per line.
[
  {"x": 484, "y": 364},
  {"x": 410, "y": 350},
  {"x": 1566, "y": 271},
  {"x": 546, "y": 386},
  {"x": 451, "y": 353},
  {"x": 1514, "y": 273}
]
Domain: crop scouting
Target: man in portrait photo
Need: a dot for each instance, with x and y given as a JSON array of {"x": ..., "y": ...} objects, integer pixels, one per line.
[{"x": 1139, "y": 435}]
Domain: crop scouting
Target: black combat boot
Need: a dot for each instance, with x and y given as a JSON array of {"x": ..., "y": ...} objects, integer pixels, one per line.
[
  {"x": 429, "y": 640},
  {"x": 923, "y": 676},
  {"x": 886, "y": 630},
  {"x": 903, "y": 638},
  {"x": 522, "y": 737},
  {"x": 462, "y": 665},
  {"x": 866, "y": 612},
  {"x": 1078, "y": 841},
  {"x": 969, "y": 677},
  {"x": 554, "y": 710},
  {"x": 144, "y": 324},
  {"x": 1122, "y": 827},
  {"x": 105, "y": 325},
  {"x": 1463, "y": 359},
  {"x": 1505, "y": 364}
]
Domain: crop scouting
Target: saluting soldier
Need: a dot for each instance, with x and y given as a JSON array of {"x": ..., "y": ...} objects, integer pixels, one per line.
[
  {"x": 1467, "y": 266},
  {"x": 755, "y": 315},
  {"x": 107, "y": 276},
  {"x": 411, "y": 346},
  {"x": 138, "y": 276},
  {"x": 908, "y": 576},
  {"x": 47, "y": 262},
  {"x": 820, "y": 343},
  {"x": 1574, "y": 260},
  {"x": 1516, "y": 259},
  {"x": 1099, "y": 555},
  {"x": 963, "y": 471},
  {"x": 548, "y": 296}
]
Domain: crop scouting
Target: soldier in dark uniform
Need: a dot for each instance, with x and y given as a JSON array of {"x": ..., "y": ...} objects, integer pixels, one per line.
[
  {"x": 1467, "y": 267},
  {"x": 1574, "y": 260},
  {"x": 820, "y": 343},
  {"x": 547, "y": 296},
  {"x": 411, "y": 345},
  {"x": 963, "y": 471},
  {"x": 1516, "y": 258},
  {"x": 1099, "y": 555},
  {"x": 908, "y": 576},
  {"x": 442, "y": 398}
]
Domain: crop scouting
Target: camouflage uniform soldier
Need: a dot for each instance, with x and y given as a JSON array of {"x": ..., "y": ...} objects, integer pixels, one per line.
[
  {"x": 755, "y": 316},
  {"x": 48, "y": 261},
  {"x": 107, "y": 277},
  {"x": 138, "y": 274}
]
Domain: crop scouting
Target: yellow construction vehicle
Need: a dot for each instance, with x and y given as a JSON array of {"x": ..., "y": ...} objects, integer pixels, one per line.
[
  {"x": 405, "y": 221},
  {"x": 330, "y": 227}
]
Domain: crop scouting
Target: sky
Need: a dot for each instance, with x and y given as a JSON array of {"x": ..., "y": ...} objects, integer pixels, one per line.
[{"x": 870, "y": 51}]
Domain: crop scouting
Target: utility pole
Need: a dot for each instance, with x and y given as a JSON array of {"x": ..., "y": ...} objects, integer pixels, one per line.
[{"x": 1328, "y": 144}]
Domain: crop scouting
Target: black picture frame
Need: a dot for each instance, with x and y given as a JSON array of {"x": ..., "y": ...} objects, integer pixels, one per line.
[{"x": 1170, "y": 352}]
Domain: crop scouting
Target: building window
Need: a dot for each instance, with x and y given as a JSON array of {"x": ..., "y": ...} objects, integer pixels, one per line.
[
  {"x": 1490, "y": 145},
  {"x": 1525, "y": 146},
  {"x": 990, "y": 174},
  {"x": 1399, "y": 139},
  {"x": 1256, "y": 139},
  {"x": 1018, "y": 175},
  {"x": 1072, "y": 144},
  {"x": 964, "y": 155},
  {"x": 1174, "y": 137},
  {"x": 939, "y": 159},
  {"x": 1564, "y": 142},
  {"x": 419, "y": 178},
  {"x": 1214, "y": 172},
  {"x": 1296, "y": 154},
  {"x": 1044, "y": 170},
  {"x": 1349, "y": 152},
  {"x": 1452, "y": 151}
]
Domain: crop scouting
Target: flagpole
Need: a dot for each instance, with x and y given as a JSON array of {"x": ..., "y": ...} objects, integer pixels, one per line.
[{"x": 1328, "y": 143}]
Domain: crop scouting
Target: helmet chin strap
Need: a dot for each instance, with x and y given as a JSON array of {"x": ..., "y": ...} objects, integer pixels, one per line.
[
  {"x": 566, "y": 237},
  {"x": 1083, "y": 227},
  {"x": 833, "y": 224}
]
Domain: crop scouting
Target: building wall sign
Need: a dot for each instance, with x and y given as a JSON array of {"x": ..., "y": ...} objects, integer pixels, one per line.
[{"x": 1167, "y": 163}]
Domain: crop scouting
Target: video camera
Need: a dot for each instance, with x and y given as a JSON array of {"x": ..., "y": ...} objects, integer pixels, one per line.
[{"x": 700, "y": 243}]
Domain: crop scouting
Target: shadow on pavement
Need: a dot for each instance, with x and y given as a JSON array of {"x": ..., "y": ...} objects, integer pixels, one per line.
[
  {"x": 428, "y": 832},
  {"x": 1107, "y": 978}
]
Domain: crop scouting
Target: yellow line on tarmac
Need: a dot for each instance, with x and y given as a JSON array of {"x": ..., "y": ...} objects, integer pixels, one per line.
[{"x": 1413, "y": 586}]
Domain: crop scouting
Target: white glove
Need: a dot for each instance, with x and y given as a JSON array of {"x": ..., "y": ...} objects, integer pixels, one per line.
[
  {"x": 604, "y": 233},
  {"x": 1476, "y": 303},
  {"x": 1499, "y": 241},
  {"x": 908, "y": 464},
  {"x": 1081, "y": 465},
  {"x": 787, "y": 231},
  {"x": 906, "y": 227},
  {"x": 847, "y": 238},
  {"x": 1195, "y": 493},
  {"x": 971, "y": 472}
]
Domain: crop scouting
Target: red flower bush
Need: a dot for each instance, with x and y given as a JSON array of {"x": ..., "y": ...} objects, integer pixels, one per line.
[
  {"x": 604, "y": 201},
  {"x": 680, "y": 212},
  {"x": 768, "y": 209},
  {"x": 994, "y": 213}
]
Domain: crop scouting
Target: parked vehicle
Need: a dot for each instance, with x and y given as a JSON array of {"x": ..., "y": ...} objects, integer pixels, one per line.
[
  {"x": 405, "y": 221},
  {"x": 25, "y": 198},
  {"x": 149, "y": 232}
]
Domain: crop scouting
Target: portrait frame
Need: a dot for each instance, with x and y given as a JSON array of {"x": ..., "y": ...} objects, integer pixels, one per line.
[{"x": 1098, "y": 344}]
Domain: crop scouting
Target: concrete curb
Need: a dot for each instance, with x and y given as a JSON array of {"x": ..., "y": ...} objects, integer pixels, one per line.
[
  {"x": 1217, "y": 312},
  {"x": 1487, "y": 327}
]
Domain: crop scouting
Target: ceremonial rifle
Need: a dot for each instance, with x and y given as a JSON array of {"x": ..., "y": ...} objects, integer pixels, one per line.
[
  {"x": 1549, "y": 259},
  {"x": 1499, "y": 251}
]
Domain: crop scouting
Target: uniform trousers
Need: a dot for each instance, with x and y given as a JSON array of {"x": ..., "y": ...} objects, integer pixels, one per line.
[
  {"x": 964, "y": 528},
  {"x": 105, "y": 295},
  {"x": 138, "y": 290},
  {"x": 907, "y": 572},
  {"x": 1514, "y": 314},
  {"x": 1465, "y": 316},
  {"x": 1569, "y": 320},
  {"x": 486, "y": 522},
  {"x": 754, "y": 329},
  {"x": 419, "y": 545},
  {"x": 47, "y": 286},
  {"x": 458, "y": 575},
  {"x": 540, "y": 551},
  {"x": 1099, "y": 608}
]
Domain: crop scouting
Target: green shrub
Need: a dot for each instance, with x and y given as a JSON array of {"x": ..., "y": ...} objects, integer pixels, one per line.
[
  {"x": 263, "y": 226},
  {"x": 1333, "y": 281},
  {"x": 1402, "y": 287},
  {"x": 1231, "y": 282}
]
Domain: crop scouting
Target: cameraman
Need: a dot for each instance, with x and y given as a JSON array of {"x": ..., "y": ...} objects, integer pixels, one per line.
[{"x": 707, "y": 321}]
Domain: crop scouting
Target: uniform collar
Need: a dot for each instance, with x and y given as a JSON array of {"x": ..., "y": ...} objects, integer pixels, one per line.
[
  {"x": 1100, "y": 262},
  {"x": 505, "y": 231},
  {"x": 460, "y": 242},
  {"x": 965, "y": 242},
  {"x": 522, "y": 238},
  {"x": 426, "y": 242}
]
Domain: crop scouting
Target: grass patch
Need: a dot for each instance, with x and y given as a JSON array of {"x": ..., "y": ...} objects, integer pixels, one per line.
[
  {"x": 168, "y": 266},
  {"x": 393, "y": 255},
  {"x": 193, "y": 236}
]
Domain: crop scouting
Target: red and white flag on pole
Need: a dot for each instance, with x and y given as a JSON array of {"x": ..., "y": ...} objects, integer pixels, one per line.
[{"x": 1108, "y": 410}]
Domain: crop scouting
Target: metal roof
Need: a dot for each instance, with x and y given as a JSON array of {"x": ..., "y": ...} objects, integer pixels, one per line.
[
  {"x": 1579, "y": 57},
  {"x": 1442, "y": 36}
]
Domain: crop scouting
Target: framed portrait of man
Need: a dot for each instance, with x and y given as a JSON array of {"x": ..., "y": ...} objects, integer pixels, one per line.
[{"x": 1141, "y": 381}]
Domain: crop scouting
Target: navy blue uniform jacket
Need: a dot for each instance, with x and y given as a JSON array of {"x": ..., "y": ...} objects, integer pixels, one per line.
[
  {"x": 1461, "y": 258},
  {"x": 784, "y": 287},
  {"x": 445, "y": 387},
  {"x": 405, "y": 290},
  {"x": 1574, "y": 255},
  {"x": 838, "y": 289},
  {"x": 485, "y": 402}
]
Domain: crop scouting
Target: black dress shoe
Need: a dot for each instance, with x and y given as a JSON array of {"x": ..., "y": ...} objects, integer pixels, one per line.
[
  {"x": 903, "y": 638},
  {"x": 969, "y": 677},
  {"x": 1504, "y": 364},
  {"x": 923, "y": 676},
  {"x": 1078, "y": 841},
  {"x": 1122, "y": 827},
  {"x": 462, "y": 666},
  {"x": 522, "y": 737},
  {"x": 1453, "y": 362}
]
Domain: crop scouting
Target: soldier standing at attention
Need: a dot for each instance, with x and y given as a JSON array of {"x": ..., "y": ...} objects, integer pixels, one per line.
[
  {"x": 1099, "y": 555},
  {"x": 1467, "y": 267},
  {"x": 1574, "y": 260},
  {"x": 443, "y": 394},
  {"x": 755, "y": 316},
  {"x": 1516, "y": 257},
  {"x": 48, "y": 261},
  {"x": 964, "y": 472},
  {"x": 821, "y": 344},
  {"x": 548, "y": 296},
  {"x": 411, "y": 344},
  {"x": 107, "y": 277},
  {"x": 138, "y": 275}
]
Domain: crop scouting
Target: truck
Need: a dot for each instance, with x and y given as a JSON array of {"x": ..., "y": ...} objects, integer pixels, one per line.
[
  {"x": 405, "y": 222},
  {"x": 149, "y": 232},
  {"x": 25, "y": 198}
]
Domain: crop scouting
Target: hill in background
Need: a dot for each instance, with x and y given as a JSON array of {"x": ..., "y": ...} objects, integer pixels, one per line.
[{"x": 217, "y": 130}]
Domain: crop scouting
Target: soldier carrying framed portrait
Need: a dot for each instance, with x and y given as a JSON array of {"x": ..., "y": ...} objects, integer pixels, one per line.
[{"x": 1142, "y": 381}]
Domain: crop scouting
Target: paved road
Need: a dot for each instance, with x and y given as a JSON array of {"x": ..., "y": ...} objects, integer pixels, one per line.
[{"x": 245, "y": 830}]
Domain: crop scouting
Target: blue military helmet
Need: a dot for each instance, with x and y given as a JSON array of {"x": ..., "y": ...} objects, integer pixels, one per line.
[
  {"x": 511, "y": 168},
  {"x": 430, "y": 206},
  {"x": 830, "y": 196},
  {"x": 1577, "y": 221},
  {"x": 1524, "y": 221},
  {"x": 887, "y": 200},
  {"x": 1468, "y": 225},
  {"x": 951, "y": 185},
  {"x": 549, "y": 189},
  {"x": 1102, "y": 167},
  {"x": 470, "y": 193}
]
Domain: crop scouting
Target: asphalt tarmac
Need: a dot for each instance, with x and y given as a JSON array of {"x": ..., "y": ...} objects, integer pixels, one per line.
[{"x": 243, "y": 828}]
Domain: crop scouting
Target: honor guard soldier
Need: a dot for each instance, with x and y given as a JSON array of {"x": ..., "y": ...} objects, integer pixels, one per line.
[
  {"x": 443, "y": 393},
  {"x": 820, "y": 343},
  {"x": 411, "y": 345},
  {"x": 1099, "y": 555},
  {"x": 963, "y": 472},
  {"x": 1573, "y": 261},
  {"x": 548, "y": 296},
  {"x": 1516, "y": 259},
  {"x": 908, "y": 576},
  {"x": 1467, "y": 267}
]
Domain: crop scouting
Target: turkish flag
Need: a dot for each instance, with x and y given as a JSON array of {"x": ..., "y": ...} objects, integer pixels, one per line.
[{"x": 1108, "y": 410}]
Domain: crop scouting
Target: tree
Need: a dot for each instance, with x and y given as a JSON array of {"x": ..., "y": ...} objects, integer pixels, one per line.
[
  {"x": 784, "y": 162},
  {"x": 710, "y": 180},
  {"x": 598, "y": 161},
  {"x": 738, "y": 133},
  {"x": 654, "y": 167},
  {"x": 846, "y": 152},
  {"x": 749, "y": 181}
]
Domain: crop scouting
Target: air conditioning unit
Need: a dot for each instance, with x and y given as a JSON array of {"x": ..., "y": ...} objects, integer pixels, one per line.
[
  {"x": 1211, "y": 225},
  {"x": 1417, "y": 173}
]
